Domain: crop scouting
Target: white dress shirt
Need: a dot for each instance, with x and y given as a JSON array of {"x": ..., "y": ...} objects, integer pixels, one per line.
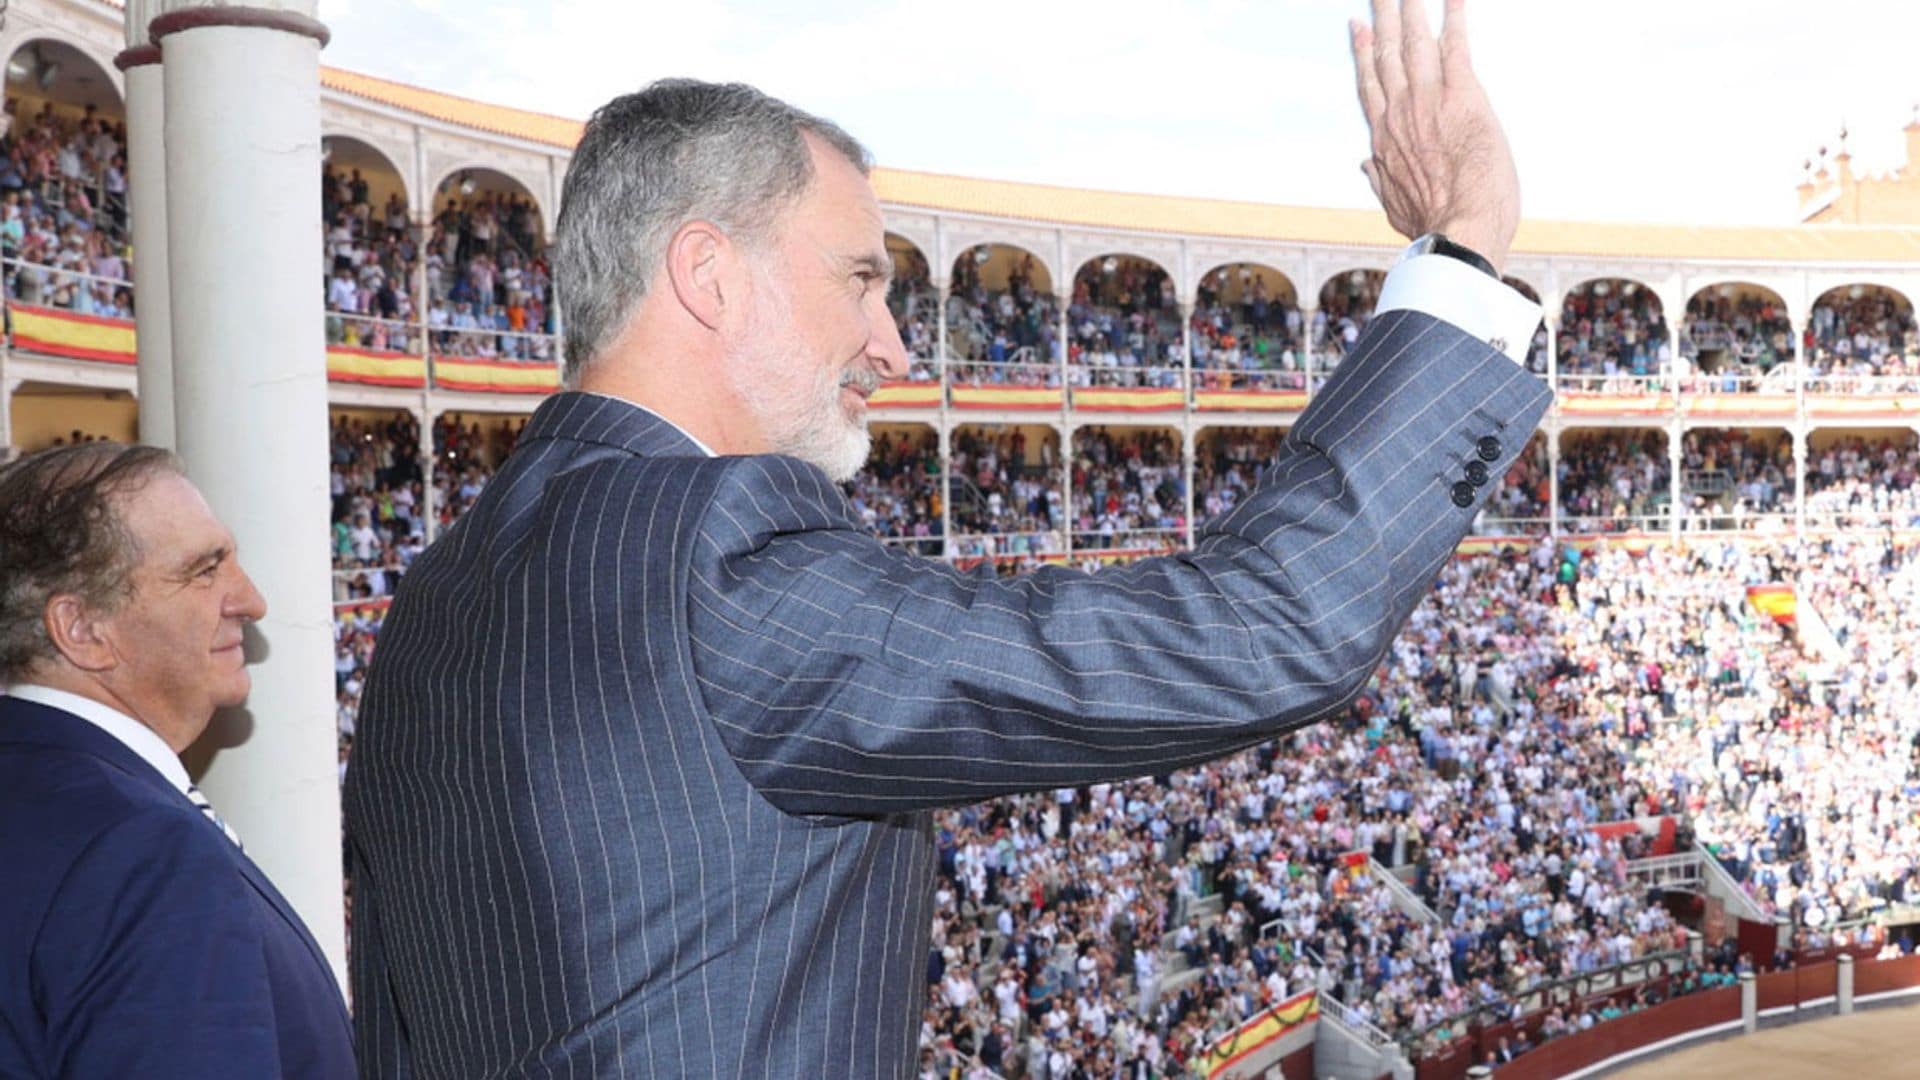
[
  {"x": 1453, "y": 292},
  {"x": 133, "y": 734}
]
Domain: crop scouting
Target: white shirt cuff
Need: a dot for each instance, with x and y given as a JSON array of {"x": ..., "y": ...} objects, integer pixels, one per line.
[{"x": 1453, "y": 292}]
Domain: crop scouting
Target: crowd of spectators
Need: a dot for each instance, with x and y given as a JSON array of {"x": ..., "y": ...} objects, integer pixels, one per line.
[
  {"x": 488, "y": 287},
  {"x": 1524, "y": 499},
  {"x": 1612, "y": 337},
  {"x": 379, "y": 516},
  {"x": 1808, "y": 789},
  {"x": 1002, "y": 336},
  {"x": 915, "y": 304},
  {"x": 1738, "y": 336},
  {"x": 1850, "y": 336},
  {"x": 1736, "y": 479},
  {"x": 1346, "y": 305},
  {"x": 1245, "y": 335},
  {"x": 1129, "y": 489},
  {"x": 1482, "y": 757},
  {"x": 1123, "y": 325},
  {"x": 1006, "y": 495},
  {"x": 1854, "y": 482},
  {"x": 1614, "y": 480},
  {"x": 897, "y": 495},
  {"x": 63, "y": 210},
  {"x": 370, "y": 263}
]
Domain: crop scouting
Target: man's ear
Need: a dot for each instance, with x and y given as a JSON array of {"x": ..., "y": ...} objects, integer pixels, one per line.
[
  {"x": 697, "y": 260},
  {"x": 78, "y": 635}
]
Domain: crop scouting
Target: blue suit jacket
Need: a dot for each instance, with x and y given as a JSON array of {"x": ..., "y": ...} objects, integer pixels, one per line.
[
  {"x": 135, "y": 940},
  {"x": 644, "y": 764}
]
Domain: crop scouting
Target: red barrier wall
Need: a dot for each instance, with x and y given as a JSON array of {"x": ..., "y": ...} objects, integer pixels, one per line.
[
  {"x": 1572, "y": 1052},
  {"x": 1776, "y": 989},
  {"x": 1879, "y": 976},
  {"x": 1677, "y": 1017}
]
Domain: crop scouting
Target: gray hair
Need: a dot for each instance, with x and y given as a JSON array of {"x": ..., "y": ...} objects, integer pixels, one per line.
[
  {"x": 649, "y": 162},
  {"x": 61, "y": 531}
]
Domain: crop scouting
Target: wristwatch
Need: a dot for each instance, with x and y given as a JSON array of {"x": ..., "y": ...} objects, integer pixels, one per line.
[{"x": 1434, "y": 243}]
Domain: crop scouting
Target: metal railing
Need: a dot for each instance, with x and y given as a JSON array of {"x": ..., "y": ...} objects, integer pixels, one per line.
[
  {"x": 1126, "y": 376},
  {"x": 1350, "y": 1018},
  {"x": 1496, "y": 526},
  {"x": 1679, "y": 870},
  {"x": 1597, "y": 524},
  {"x": 1011, "y": 373},
  {"x": 1721, "y": 882},
  {"x": 1565, "y": 991},
  {"x": 46, "y": 282},
  {"x": 1269, "y": 380},
  {"x": 355, "y": 331},
  {"x": 1618, "y": 384},
  {"x": 1404, "y": 898},
  {"x": 486, "y": 343},
  {"x": 1735, "y": 381},
  {"x": 1840, "y": 384}
]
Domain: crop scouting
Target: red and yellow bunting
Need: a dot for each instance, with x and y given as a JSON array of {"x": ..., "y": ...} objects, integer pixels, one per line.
[
  {"x": 495, "y": 376},
  {"x": 1575, "y": 404},
  {"x": 370, "y": 367},
  {"x": 1743, "y": 406},
  {"x": 76, "y": 337},
  {"x": 906, "y": 395},
  {"x": 1128, "y": 399},
  {"x": 374, "y": 607},
  {"x": 1020, "y": 398},
  {"x": 1257, "y": 1034},
  {"x": 1249, "y": 400},
  {"x": 1904, "y": 406}
]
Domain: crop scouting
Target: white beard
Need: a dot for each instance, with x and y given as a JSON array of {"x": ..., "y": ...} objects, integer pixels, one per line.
[{"x": 814, "y": 428}]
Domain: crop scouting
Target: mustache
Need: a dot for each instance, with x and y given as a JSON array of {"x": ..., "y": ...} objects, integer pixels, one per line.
[{"x": 864, "y": 379}]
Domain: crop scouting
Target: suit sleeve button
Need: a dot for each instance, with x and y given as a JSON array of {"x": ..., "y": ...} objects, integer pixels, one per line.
[
  {"x": 1489, "y": 448},
  {"x": 1463, "y": 494},
  {"x": 1477, "y": 473}
]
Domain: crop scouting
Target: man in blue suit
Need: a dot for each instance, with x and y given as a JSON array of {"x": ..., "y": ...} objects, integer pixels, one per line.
[
  {"x": 645, "y": 763},
  {"x": 136, "y": 937}
]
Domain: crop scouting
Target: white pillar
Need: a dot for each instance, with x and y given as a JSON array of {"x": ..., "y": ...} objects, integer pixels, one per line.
[
  {"x": 945, "y": 434},
  {"x": 1553, "y": 477},
  {"x": 1188, "y": 454},
  {"x": 1799, "y": 435},
  {"x": 1306, "y": 350},
  {"x": 1844, "y": 988},
  {"x": 1749, "y": 1003},
  {"x": 147, "y": 216},
  {"x": 243, "y": 216},
  {"x": 1676, "y": 486}
]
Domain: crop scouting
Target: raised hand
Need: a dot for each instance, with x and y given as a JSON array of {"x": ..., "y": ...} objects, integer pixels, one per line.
[{"x": 1440, "y": 162}]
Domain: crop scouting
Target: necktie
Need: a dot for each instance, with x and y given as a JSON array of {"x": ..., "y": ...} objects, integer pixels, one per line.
[{"x": 199, "y": 799}]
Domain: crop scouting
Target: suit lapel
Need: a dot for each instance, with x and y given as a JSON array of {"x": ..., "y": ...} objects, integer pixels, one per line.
[
  {"x": 279, "y": 904},
  {"x": 31, "y": 723}
]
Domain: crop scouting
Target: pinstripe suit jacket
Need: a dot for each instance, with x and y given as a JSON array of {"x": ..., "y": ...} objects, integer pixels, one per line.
[{"x": 644, "y": 767}]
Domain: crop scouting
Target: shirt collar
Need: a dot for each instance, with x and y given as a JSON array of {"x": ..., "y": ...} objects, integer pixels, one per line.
[
  {"x": 133, "y": 734},
  {"x": 704, "y": 448}
]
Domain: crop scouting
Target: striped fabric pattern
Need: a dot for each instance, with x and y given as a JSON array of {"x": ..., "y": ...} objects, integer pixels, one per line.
[
  {"x": 199, "y": 799},
  {"x": 643, "y": 772}
]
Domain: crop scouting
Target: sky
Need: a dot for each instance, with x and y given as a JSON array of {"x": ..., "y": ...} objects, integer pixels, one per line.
[{"x": 1677, "y": 111}]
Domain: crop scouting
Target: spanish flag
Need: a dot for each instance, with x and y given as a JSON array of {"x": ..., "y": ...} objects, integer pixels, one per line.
[{"x": 1776, "y": 602}]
